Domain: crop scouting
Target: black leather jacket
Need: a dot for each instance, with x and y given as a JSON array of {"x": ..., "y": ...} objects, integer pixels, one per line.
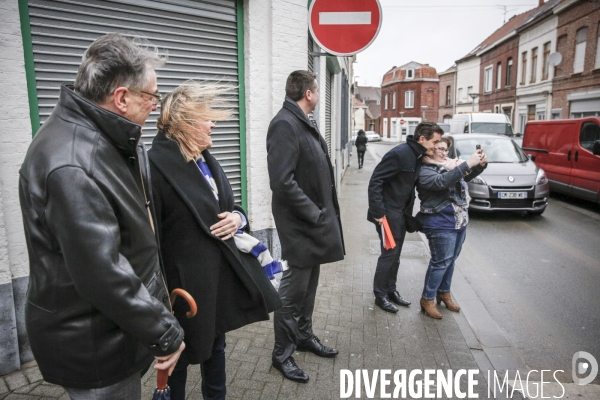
[{"x": 97, "y": 308}]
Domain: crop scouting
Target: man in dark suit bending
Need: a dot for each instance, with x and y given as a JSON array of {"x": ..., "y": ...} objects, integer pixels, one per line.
[
  {"x": 392, "y": 195},
  {"x": 307, "y": 216}
]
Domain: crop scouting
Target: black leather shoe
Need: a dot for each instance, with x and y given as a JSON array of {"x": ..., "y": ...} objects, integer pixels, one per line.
[
  {"x": 385, "y": 305},
  {"x": 314, "y": 346},
  {"x": 290, "y": 370},
  {"x": 396, "y": 298}
]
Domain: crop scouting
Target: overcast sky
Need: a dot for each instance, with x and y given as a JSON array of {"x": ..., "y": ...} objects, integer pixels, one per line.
[{"x": 434, "y": 32}]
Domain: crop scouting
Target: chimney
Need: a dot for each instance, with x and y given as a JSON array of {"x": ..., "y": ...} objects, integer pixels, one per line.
[{"x": 541, "y": 3}]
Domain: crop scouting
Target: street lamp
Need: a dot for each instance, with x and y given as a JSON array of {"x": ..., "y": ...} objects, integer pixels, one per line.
[
  {"x": 473, "y": 96},
  {"x": 424, "y": 108}
]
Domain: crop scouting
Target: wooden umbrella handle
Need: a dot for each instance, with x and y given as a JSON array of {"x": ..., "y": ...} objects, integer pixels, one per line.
[
  {"x": 162, "y": 377},
  {"x": 190, "y": 300}
]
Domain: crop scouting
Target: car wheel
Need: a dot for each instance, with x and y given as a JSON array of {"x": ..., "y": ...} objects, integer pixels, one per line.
[{"x": 536, "y": 213}]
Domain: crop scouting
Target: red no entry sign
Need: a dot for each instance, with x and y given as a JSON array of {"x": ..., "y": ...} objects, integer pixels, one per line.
[
  {"x": 401, "y": 122},
  {"x": 344, "y": 27}
]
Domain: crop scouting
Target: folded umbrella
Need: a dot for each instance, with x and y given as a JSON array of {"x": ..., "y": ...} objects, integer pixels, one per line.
[
  {"x": 162, "y": 391},
  {"x": 388, "y": 238}
]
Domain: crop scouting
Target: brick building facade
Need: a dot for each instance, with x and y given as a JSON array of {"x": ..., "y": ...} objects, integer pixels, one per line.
[
  {"x": 497, "y": 78},
  {"x": 446, "y": 105},
  {"x": 409, "y": 94},
  {"x": 576, "y": 85}
]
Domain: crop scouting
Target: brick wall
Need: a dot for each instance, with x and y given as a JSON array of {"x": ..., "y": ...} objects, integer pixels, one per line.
[
  {"x": 582, "y": 14},
  {"x": 15, "y": 136},
  {"x": 443, "y": 109},
  {"x": 426, "y": 94},
  {"x": 505, "y": 94},
  {"x": 275, "y": 45}
]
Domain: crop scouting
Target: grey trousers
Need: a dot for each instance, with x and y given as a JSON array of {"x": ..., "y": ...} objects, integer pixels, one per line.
[
  {"x": 128, "y": 389},
  {"x": 293, "y": 321}
]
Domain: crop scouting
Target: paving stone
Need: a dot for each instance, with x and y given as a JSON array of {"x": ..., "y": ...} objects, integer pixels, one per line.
[
  {"x": 3, "y": 388},
  {"x": 16, "y": 380}
]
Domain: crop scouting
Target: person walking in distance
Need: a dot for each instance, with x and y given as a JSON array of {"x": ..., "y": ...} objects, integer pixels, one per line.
[
  {"x": 392, "y": 195},
  {"x": 97, "y": 310},
  {"x": 307, "y": 217},
  {"x": 361, "y": 147}
]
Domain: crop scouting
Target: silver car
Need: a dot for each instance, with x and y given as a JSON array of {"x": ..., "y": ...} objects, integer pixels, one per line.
[
  {"x": 373, "y": 136},
  {"x": 511, "y": 182}
]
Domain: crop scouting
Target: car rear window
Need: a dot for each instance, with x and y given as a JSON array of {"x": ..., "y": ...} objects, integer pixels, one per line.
[{"x": 497, "y": 150}]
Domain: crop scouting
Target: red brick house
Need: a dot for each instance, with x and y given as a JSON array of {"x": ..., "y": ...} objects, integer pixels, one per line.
[
  {"x": 447, "y": 104},
  {"x": 498, "y": 67},
  {"x": 576, "y": 84},
  {"x": 409, "y": 94}
]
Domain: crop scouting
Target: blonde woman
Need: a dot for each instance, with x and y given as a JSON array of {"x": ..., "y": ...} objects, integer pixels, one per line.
[{"x": 196, "y": 222}]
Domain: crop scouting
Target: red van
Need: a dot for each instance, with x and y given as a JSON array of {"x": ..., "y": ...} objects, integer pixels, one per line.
[{"x": 569, "y": 151}]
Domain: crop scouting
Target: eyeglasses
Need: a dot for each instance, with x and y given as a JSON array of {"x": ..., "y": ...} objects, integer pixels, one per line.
[
  {"x": 156, "y": 97},
  {"x": 441, "y": 150}
]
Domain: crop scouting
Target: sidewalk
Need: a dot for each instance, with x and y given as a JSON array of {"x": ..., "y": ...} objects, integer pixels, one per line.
[{"x": 345, "y": 318}]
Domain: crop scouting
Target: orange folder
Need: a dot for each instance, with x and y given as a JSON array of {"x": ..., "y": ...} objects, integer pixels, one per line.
[{"x": 388, "y": 238}]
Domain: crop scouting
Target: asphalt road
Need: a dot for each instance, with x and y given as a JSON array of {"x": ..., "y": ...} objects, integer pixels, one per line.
[{"x": 538, "y": 277}]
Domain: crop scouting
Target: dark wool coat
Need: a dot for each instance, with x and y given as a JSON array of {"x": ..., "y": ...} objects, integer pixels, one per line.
[
  {"x": 230, "y": 287},
  {"x": 361, "y": 142},
  {"x": 305, "y": 205},
  {"x": 392, "y": 185}
]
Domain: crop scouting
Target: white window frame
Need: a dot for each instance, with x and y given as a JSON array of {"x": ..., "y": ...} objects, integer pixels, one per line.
[
  {"x": 487, "y": 79},
  {"x": 394, "y": 100},
  {"x": 460, "y": 95},
  {"x": 509, "y": 71},
  {"x": 580, "y": 43},
  {"x": 409, "y": 99},
  {"x": 499, "y": 76},
  {"x": 597, "y": 65},
  {"x": 410, "y": 73},
  {"x": 386, "y": 102}
]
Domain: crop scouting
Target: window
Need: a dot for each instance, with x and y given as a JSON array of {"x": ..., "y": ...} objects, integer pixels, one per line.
[
  {"x": 487, "y": 80},
  {"x": 523, "y": 67},
  {"x": 590, "y": 132},
  {"x": 394, "y": 75},
  {"x": 410, "y": 73},
  {"x": 546, "y": 65},
  {"x": 409, "y": 99},
  {"x": 448, "y": 95},
  {"x": 522, "y": 122},
  {"x": 509, "y": 71},
  {"x": 540, "y": 116},
  {"x": 534, "y": 54},
  {"x": 499, "y": 76},
  {"x": 386, "y": 102},
  {"x": 460, "y": 95},
  {"x": 394, "y": 100},
  {"x": 531, "y": 112},
  {"x": 580, "y": 50},
  {"x": 556, "y": 113},
  {"x": 598, "y": 49},
  {"x": 469, "y": 91}
]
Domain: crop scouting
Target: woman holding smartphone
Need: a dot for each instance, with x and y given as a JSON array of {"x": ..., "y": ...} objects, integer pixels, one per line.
[{"x": 444, "y": 216}]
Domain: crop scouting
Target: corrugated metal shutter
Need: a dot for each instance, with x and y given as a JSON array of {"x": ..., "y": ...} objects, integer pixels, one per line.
[
  {"x": 199, "y": 36},
  {"x": 328, "y": 79},
  {"x": 311, "y": 59}
]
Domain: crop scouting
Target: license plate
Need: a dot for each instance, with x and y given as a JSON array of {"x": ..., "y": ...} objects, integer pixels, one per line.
[{"x": 512, "y": 195}]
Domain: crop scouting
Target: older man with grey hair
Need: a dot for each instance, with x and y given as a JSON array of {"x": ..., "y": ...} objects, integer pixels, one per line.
[{"x": 98, "y": 310}]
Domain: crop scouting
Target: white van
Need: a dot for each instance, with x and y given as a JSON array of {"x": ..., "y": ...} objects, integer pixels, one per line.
[{"x": 495, "y": 124}]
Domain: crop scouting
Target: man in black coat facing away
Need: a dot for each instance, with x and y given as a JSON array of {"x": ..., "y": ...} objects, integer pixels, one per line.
[
  {"x": 307, "y": 216},
  {"x": 392, "y": 195}
]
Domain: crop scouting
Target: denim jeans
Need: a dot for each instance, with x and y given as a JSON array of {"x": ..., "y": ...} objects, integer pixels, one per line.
[
  {"x": 211, "y": 370},
  {"x": 445, "y": 247}
]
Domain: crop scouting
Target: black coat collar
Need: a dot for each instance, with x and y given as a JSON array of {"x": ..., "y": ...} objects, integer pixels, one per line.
[
  {"x": 121, "y": 132},
  {"x": 185, "y": 177},
  {"x": 416, "y": 147},
  {"x": 293, "y": 106}
]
